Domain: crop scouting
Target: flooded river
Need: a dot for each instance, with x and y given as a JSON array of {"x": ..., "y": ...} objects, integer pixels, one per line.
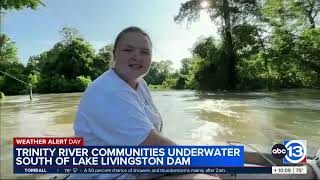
[{"x": 259, "y": 118}]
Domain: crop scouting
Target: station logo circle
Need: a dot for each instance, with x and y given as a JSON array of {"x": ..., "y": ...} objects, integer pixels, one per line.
[
  {"x": 279, "y": 151},
  {"x": 296, "y": 151}
]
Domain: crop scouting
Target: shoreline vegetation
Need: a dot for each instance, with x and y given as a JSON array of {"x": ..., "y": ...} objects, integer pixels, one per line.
[
  {"x": 258, "y": 48},
  {"x": 2, "y": 96},
  {"x": 160, "y": 88}
]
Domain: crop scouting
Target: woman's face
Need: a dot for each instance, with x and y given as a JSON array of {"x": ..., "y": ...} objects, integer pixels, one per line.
[{"x": 133, "y": 56}]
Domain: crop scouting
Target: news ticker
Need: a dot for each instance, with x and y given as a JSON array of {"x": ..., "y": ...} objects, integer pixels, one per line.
[
  {"x": 173, "y": 170},
  {"x": 206, "y": 170},
  {"x": 68, "y": 155}
]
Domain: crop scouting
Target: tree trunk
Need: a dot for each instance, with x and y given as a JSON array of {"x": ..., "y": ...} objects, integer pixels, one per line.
[
  {"x": 229, "y": 50},
  {"x": 311, "y": 20},
  {"x": 265, "y": 62},
  {"x": 311, "y": 8}
]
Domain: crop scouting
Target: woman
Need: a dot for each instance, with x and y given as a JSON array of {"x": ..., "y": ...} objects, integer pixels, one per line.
[{"x": 117, "y": 108}]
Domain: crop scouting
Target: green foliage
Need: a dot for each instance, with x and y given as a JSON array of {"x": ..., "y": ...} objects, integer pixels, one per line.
[
  {"x": 210, "y": 69},
  {"x": 158, "y": 72},
  {"x": 82, "y": 83},
  {"x": 2, "y": 81},
  {"x": 169, "y": 83},
  {"x": 20, "y": 4},
  {"x": 247, "y": 40},
  {"x": 2, "y": 95},
  {"x": 192, "y": 79},
  {"x": 295, "y": 15},
  {"x": 263, "y": 44},
  {"x": 230, "y": 16},
  {"x": 33, "y": 79},
  {"x": 252, "y": 72},
  {"x": 102, "y": 61},
  {"x": 69, "y": 34},
  {"x": 66, "y": 67},
  {"x": 9, "y": 63},
  {"x": 12, "y": 86},
  {"x": 184, "y": 73},
  {"x": 75, "y": 60},
  {"x": 309, "y": 49},
  {"x": 181, "y": 82},
  {"x": 186, "y": 66},
  {"x": 306, "y": 10},
  {"x": 286, "y": 57},
  {"x": 33, "y": 65},
  {"x": 59, "y": 83},
  {"x": 8, "y": 52},
  {"x": 276, "y": 12},
  {"x": 238, "y": 11}
]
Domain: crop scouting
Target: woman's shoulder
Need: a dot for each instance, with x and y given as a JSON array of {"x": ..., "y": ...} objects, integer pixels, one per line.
[
  {"x": 107, "y": 86},
  {"x": 105, "y": 83}
]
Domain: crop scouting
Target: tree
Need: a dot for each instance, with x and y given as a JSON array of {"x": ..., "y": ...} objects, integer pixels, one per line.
[
  {"x": 8, "y": 50},
  {"x": 309, "y": 49},
  {"x": 82, "y": 83},
  {"x": 8, "y": 59},
  {"x": 69, "y": 34},
  {"x": 75, "y": 60},
  {"x": 209, "y": 67},
  {"x": 291, "y": 14},
  {"x": 293, "y": 52},
  {"x": 60, "y": 66},
  {"x": 184, "y": 73},
  {"x": 186, "y": 66},
  {"x": 33, "y": 65},
  {"x": 9, "y": 63},
  {"x": 158, "y": 72},
  {"x": 309, "y": 9},
  {"x": 49, "y": 60},
  {"x": 20, "y": 4},
  {"x": 227, "y": 14},
  {"x": 71, "y": 57},
  {"x": 102, "y": 61}
]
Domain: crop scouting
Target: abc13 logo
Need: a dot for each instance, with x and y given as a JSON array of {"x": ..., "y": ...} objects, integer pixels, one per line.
[{"x": 291, "y": 151}]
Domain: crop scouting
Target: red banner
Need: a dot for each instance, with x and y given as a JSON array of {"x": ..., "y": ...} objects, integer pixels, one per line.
[{"x": 45, "y": 141}]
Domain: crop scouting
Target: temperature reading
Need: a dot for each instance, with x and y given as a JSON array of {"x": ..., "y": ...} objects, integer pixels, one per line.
[
  {"x": 289, "y": 170},
  {"x": 301, "y": 170}
]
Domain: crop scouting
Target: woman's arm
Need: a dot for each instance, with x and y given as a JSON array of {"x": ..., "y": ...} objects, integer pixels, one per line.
[{"x": 156, "y": 139}]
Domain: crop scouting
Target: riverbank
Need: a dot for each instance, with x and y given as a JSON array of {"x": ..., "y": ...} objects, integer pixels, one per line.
[{"x": 160, "y": 88}]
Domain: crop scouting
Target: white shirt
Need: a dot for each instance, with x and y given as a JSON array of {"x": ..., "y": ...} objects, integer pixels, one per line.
[{"x": 113, "y": 113}]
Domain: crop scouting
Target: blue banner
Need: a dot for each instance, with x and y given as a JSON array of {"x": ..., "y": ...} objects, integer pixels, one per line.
[{"x": 126, "y": 157}]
